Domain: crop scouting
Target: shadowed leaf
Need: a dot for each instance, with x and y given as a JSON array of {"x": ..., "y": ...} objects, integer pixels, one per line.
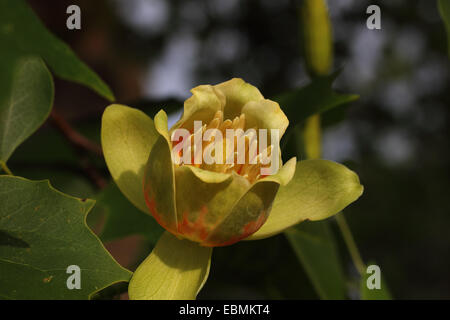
[
  {"x": 22, "y": 30},
  {"x": 316, "y": 97},
  {"x": 26, "y": 98},
  {"x": 314, "y": 246}
]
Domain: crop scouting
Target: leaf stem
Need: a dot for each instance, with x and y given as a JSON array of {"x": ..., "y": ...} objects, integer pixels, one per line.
[
  {"x": 5, "y": 168},
  {"x": 350, "y": 243}
]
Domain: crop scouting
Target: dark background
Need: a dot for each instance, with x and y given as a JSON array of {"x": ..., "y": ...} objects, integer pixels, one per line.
[{"x": 396, "y": 136}]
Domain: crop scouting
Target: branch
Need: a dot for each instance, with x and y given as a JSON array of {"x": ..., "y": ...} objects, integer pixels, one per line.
[
  {"x": 73, "y": 136},
  {"x": 82, "y": 144},
  {"x": 92, "y": 173}
]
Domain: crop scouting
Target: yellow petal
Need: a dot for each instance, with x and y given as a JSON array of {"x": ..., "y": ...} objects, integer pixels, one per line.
[
  {"x": 237, "y": 93},
  {"x": 127, "y": 137},
  {"x": 175, "y": 270},
  {"x": 265, "y": 114},
  {"x": 251, "y": 210},
  {"x": 318, "y": 190},
  {"x": 159, "y": 181},
  {"x": 203, "y": 201},
  {"x": 284, "y": 174},
  {"x": 201, "y": 106}
]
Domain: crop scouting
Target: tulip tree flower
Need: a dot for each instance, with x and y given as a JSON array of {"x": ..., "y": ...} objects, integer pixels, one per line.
[{"x": 203, "y": 206}]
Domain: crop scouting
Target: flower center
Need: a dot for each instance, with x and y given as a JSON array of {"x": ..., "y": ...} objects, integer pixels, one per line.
[{"x": 231, "y": 148}]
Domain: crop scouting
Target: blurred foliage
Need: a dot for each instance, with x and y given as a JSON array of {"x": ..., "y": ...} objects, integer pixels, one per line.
[{"x": 444, "y": 10}]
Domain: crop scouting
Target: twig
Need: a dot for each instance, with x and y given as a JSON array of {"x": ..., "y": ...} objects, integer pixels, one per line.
[
  {"x": 92, "y": 173},
  {"x": 74, "y": 136},
  {"x": 81, "y": 144}
]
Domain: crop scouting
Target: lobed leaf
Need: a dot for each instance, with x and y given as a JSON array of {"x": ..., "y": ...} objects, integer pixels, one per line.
[{"x": 42, "y": 233}]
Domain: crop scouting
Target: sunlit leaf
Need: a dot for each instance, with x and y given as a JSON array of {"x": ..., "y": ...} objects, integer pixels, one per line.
[
  {"x": 22, "y": 30},
  {"x": 26, "y": 97},
  {"x": 314, "y": 245},
  {"x": 42, "y": 233},
  {"x": 175, "y": 270}
]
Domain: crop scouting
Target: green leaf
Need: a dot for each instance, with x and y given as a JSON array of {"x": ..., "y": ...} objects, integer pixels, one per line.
[
  {"x": 316, "y": 97},
  {"x": 175, "y": 270},
  {"x": 314, "y": 245},
  {"x": 123, "y": 219},
  {"x": 318, "y": 190},
  {"x": 444, "y": 10},
  {"x": 42, "y": 232},
  {"x": 374, "y": 294},
  {"x": 128, "y": 136},
  {"x": 22, "y": 30},
  {"x": 26, "y": 98}
]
